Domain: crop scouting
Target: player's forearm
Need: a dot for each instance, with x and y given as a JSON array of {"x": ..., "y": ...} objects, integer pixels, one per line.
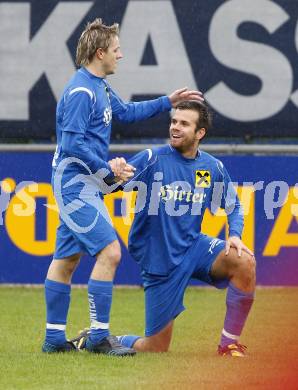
[
  {"x": 236, "y": 221},
  {"x": 136, "y": 111},
  {"x": 74, "y": 145}
]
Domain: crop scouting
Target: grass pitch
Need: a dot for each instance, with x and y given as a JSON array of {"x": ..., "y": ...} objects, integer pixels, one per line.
[{"x": 192, "y": 363}]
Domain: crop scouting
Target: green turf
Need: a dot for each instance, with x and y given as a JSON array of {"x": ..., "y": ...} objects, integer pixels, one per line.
[{"x": 271, "y": 334}]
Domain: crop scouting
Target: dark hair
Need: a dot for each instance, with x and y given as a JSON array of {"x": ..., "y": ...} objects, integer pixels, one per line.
[{"x": 201, "y": 108}]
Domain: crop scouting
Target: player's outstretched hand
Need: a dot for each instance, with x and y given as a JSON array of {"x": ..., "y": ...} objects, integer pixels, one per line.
[
  {"x": 235, "y": 242},
  {"x": 182, "y": 94},
  {"x": 122, "y": 171}
]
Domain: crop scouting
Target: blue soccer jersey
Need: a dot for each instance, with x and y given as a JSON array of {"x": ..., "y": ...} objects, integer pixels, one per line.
[
  {"x": 84, "y": 115},
  {"x": 173, "y": 194}
]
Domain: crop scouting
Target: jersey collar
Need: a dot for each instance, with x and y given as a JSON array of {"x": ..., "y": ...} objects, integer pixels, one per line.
[
  {"x": 88, "y": 74},
  {"x": 184, "y": 159}
]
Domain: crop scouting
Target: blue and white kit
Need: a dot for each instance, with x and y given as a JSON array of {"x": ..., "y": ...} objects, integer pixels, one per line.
[
  {"x": 165, "y": 237},
  {"x": 84, "y": 115}
]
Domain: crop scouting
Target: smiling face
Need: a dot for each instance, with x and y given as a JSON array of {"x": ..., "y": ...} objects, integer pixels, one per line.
[{"x": 184, "y": 135}]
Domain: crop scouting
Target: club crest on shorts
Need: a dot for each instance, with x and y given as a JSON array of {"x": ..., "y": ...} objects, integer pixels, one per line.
[{"x": 203, "y": 179}]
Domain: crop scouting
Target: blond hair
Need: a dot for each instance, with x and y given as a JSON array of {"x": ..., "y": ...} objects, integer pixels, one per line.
[{"x": 96, "y": 35}]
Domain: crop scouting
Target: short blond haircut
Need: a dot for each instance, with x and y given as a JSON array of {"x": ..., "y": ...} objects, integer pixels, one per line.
[{"x": 96, "y": 35}]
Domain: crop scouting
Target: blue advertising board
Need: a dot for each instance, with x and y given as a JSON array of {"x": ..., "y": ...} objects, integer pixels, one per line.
[
  {"x": 241, "y": 53},
  {"x": 267, "y": 186}
]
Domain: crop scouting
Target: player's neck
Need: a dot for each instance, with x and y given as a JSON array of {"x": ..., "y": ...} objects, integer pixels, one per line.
[
  {"x": 190, "y": 153},
  {"x": 95, "y": 70}
]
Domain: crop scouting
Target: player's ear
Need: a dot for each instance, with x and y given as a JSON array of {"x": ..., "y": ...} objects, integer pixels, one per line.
[
  {"x": 201, "y": 133},
  {"x": 99, "y": 53}
]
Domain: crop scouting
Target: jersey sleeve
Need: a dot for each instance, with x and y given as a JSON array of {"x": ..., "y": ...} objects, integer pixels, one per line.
[
  {"x": 77, "y": 110},
  {"x": 230, "y": 203},
  {"x": 136, "y": 111},
  {"x": 142, "y": 161},
  {"x": 73, "y": 145}
]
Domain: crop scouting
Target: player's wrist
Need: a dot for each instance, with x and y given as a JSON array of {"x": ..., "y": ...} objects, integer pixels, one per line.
[
  {"x": 234, "y": 235},
  {"x": 166, "y": 103}
]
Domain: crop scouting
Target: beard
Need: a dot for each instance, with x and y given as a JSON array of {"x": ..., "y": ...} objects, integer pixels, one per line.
[{"x": 184, "y": 146}]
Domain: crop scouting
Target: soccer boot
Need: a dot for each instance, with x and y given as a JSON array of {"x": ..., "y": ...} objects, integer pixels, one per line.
[
  {"x": 233, "y": 350},
  {"x": 108, "y": 346},
  {"x": 80, "y": 340},
  {"x": 68, "y": 346}
]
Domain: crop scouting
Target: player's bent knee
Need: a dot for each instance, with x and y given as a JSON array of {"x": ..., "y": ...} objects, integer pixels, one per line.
[
  {"x": 161, "y": 346},
  {"x": 247, "y": 269},
  {"x": 161, "y": 349},
  {"x": 155, "y": 346},
  {"x": 159, "y": 342},
  {"x": 115, "y": 256},
  {"x": 164, "y": 347},
  {"x": 249, "y": 264},
  {"x": 113, "y": 253}
]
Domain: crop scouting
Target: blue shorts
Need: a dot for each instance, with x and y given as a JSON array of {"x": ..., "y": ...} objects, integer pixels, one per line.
[
  {"x": 164, "y": 294},
  {"x": 87, "y": 229}
]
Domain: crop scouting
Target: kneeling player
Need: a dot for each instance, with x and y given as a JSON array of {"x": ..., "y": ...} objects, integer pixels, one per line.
[{"x": 166, "y": 241}]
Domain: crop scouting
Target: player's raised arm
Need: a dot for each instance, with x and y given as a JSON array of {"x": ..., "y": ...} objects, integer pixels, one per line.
[
  {"x": 128, "y": 112},
  {"x": 135, "y": 111}
]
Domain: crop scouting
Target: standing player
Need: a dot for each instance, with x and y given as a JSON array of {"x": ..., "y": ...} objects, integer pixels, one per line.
[
  {"x": 165, "y": 238},
  {"x": 84, "y": 115}
]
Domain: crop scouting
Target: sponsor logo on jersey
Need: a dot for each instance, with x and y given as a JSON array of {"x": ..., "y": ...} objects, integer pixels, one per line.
[
  {"x": 203, "y": 179},
  {"x": 176, "y": 193}
]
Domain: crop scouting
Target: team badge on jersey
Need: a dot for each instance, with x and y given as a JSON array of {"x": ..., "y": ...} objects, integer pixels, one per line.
[
  {"x": 203, "y": 179},
  {"x": 107, "y": 116}
]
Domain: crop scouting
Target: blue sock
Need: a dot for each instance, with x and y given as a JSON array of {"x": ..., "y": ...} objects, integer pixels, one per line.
[
  {"x": 100, "y": 300},
  {"x": 238, "y": 306},
  {"x": 57, "y": 296},
  {"x": 128, "y": 340}
]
